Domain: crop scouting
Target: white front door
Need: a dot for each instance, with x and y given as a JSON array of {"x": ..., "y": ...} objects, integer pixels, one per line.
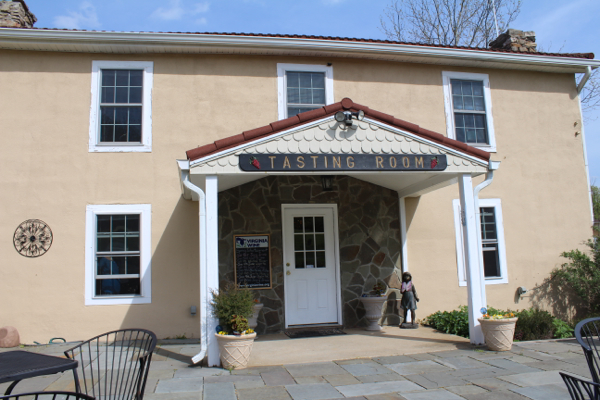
[{"x": 310, "y": 264}]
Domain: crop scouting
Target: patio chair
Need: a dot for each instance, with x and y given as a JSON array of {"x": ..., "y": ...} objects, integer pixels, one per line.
[
  {"x": 47, "y": 396},
  {"x": 587, "y": 333},
  {"x": 114, "y": 365},
  {"x": 580, "y": 389}
]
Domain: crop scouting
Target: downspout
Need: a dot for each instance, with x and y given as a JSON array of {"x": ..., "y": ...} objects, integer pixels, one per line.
[
  {"x": 585, "y": 158},
  {"x": 185, "y": 180},
  {"x": 489, "y": 176}
]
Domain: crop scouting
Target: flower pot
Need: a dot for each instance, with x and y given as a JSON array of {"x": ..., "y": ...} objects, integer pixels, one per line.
[
  {"x": 373, "y": 307},
  {"x": 498, "y": 333},
  {"x": 253, "y": 320},
  {"x": 235, "y": 350}
]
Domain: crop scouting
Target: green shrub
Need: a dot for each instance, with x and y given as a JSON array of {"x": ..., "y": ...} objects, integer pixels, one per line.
[
  {"x": 562, "y": 330},
  {"x": 230, "y": 301},
  {"x": 534, "y": 324},
  {"x": 455, "y": 322}
]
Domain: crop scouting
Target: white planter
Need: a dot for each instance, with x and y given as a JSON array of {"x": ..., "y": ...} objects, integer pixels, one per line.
[
  {"x": 253, "y": 320},
  {"x": 373, "y": 307},
  {"x": 498, "y": 333},
  {"x": 235, "y": 350}
]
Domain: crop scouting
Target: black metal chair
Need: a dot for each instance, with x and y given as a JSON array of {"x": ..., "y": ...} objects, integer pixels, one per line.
[
  {"x": 48, "y": 396},
  {"x": 114, "y": 365},
  {"x": 587, "y": 333},
  {"x": 580, "y": 389}
]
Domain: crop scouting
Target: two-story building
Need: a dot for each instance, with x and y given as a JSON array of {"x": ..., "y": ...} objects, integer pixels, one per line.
[{"x": 141, "y": 170}]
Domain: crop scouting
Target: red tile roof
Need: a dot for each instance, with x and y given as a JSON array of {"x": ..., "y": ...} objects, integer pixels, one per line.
[
  {"x": 589, "y": 56},
  {"x": 326, "y": 111}
]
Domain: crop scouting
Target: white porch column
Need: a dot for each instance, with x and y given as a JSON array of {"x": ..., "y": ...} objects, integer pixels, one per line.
[
  {"x": 404, "y": 244},
  {"x": 471, "y": 251},
  {"x": 212, "y": 260}
]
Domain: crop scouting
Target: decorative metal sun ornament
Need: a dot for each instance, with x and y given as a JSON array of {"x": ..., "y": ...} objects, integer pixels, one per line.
[{"x": 33, "y": 238}]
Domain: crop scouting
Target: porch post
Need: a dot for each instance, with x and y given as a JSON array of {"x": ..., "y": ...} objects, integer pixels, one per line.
[
  {"x": 471, "y": 251},
  {"x": 212, "y": 260}
]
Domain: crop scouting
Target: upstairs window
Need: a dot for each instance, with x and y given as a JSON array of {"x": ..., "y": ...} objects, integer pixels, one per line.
[
  {"x": 468, "y": 109},
  {"x": 303, "y": 88},
  {"x": 120, "y": 119}
]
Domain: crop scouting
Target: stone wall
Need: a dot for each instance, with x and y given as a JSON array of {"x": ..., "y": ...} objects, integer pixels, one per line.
[
  {"x": 15, "y": 14},
  {"x": 369, "y": 238}
]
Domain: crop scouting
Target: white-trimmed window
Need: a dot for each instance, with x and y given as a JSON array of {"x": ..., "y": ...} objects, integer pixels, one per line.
[
  {"x": 468, "y": 106},
  {"x": 303, "y": 88},
  {"x": 492, "y": 241},
  {"x": 117, "y": 254},
  {"x": 121, "y": 111}
]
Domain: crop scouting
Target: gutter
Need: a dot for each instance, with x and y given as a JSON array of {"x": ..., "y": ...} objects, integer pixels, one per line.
[
  {"x": 143, "y": 42},
  {"x": 184, "y": 167},
  {"x": 489, "y": 177},
  {"x": 582, "y": 83}
]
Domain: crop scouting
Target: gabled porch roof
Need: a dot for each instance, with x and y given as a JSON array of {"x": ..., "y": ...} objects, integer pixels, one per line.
[{"x": 316, "y": 133}]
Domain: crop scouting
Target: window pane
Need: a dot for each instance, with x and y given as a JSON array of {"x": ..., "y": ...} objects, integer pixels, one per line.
[
  {"x": 468, "y": 103},
  {"x": 136, "y": 77},
  {"x": 133, "y": 243},
  {"x": 466, "y": 88},
  {"x": 107, "y": 133},
  {"x": 103, "y": 223},
  {"x": 471, "y": 136},
  {"x": 103, "y": 243},
  {"x": 122, "y": 95},
  {"x": 132, "y": 222},
  {"x": 118, "y": 243},
  {"x": 108, "y": 95},
  {"x": 479, "y": 104},
  {"x": 108, "y": 77},
  {"x": 293, "y": 79},
  {"x": 460, "y": 135},
  {"x": 121, "y": 115},
  {"x": 117, "y": 286},
  {"x": 120, "y": 264},
  {"x": 469, "y": 120},
  {"x": 135, "y": 95},
  {"x": 107, "y": 115},
  {"x": 458, "y": 102},
  {"x": 122, "y": 78},
  {"x": 309, "y": 242},
  {"x": 477, "y": 88},
  {"x": 118, "y": 223},
  {"x": 318, "y": 80},
  {"x": 488, "y": 224},
  {"x": 293, "y": 95},
  {"x": 310, "y": 259},
  {"x": 491, "y": 262},
  {"x": 481, "y": 136},
  {"x": 106, "y": 266},
  {"x": 120, "y": 133},
  {"x": 133, "y": 265},
  {"x": 135, "y": 115},
  {"x": 305, "y": 79},
  {"x": 135, "y": 133},
  {"x": 479, "y": 120},
  {"x": 305, "y": 96},
  {"x": 299, "y": 259},
  {"x": 318, "y": 96},
  {"x": 456, "y": 88},
  {"x": 320, "y": 241}
]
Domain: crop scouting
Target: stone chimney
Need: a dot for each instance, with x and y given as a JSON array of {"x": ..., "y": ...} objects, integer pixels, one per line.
[
  {"x": 16, "y": 14},
  {"x": 515, "y": 40}
]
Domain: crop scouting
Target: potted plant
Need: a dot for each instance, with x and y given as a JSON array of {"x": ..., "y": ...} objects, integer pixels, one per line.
[
  {"x": 373, "y": 303},
  {"x": 498, "y": 330},
  {"x": 233, "y": 305}
]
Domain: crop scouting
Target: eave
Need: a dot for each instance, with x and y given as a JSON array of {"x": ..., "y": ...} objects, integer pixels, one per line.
[{"x": 198, "y": 43}]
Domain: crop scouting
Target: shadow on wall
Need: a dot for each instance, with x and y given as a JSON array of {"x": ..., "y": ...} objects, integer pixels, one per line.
[
  {"x": 175, "y": 277},
  {"x": 560, "y": 301}
]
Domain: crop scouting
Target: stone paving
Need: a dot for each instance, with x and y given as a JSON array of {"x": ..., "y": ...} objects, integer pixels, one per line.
[{"x": 528, "y": 371}]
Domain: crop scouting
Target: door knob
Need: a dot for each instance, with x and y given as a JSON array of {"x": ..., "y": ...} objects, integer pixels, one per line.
[
  {"x": 287, "y": 264},
  {"x": 288, "y": 273}
]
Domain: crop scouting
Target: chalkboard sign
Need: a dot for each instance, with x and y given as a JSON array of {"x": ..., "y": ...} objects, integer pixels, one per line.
[{"x": 252, "y": 259}]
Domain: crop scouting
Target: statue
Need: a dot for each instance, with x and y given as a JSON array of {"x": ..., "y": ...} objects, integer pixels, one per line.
[{"x": 409, "y": 301}]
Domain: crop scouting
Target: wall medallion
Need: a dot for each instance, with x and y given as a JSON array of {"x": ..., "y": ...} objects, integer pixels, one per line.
[{"x": 33, "y": 238}]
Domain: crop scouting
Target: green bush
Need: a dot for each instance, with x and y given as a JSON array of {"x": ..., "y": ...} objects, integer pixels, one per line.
[
  {"x": 455, "y": 322},
  {"x": 230, "y": 301},
  {"x": 562, "y": 330},
  {"x": 534, "y": 324}
]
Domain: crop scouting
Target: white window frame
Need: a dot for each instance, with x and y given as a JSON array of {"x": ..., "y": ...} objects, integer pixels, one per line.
[
  {"x": 145, "y": 212},
  {"x": 460, "y": 256},
  {"x": 282, "y": 83},
  {"x": 146, "y": 145},
  {"x": 447, "y": 76}
]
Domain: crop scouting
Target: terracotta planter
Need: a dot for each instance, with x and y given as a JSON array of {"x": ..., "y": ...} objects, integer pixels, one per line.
[
  {"x": 498, "y": 333},
  {"x": 235, "y": 350},
  {"x": 253, "y": 320},
  {"x": 373, "y": 307}
]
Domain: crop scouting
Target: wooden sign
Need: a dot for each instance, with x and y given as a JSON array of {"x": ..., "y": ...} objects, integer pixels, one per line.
[
  {"x": 252, "y": 261},
  {"x": 342, "y": 162}
]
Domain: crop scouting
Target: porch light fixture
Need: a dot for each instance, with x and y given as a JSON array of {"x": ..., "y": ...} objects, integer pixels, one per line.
[
  {"x": 345, "y": 117},
  {"x": 327, "y": 182}
]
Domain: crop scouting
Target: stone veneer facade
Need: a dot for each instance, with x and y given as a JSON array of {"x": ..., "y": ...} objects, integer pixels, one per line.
[{"x": 369, "y": 238}]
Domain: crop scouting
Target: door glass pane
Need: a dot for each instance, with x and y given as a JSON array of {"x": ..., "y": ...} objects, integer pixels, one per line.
[
  {"x": 299, "y": 259},
  {"x": 308, "y": 224},
  {"x": 319, "y": 224},
  {"x": 298, "y": 242},
  {"x": 320, "y": 259},
  {"x": 310, "y": 259},
  {"x": 309, "y": 240},
  {"x": 320, "y": 241},
  {"x": 298, "y": 226}
]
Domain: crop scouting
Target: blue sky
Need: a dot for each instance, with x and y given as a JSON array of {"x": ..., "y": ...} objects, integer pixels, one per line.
[{"x": 568, "y": 26}]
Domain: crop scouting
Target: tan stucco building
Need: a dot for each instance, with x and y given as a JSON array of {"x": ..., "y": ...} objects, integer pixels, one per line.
[{"x": 148, "y": 155}]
